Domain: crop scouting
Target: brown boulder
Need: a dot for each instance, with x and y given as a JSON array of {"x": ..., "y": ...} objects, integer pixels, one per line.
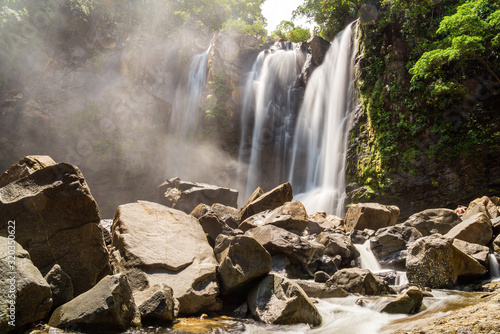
[
  {"x": 483, "y": 204},
  {"x": 268, "y": 201},
  {"x": 337, "y": 244},
  {"x": 409, "y": 302},
  {"x": 478, "y": 252},
  {"x": 477, "y": 229},
  {"x": 370, "y": 215},
  {"x": 362, "y": 281},
  {"x": 433, "y": 221},
  {"x": 321, "y": 290},
  {"x": 321, "y": 221},
  {"x": 27, "y": 166}
]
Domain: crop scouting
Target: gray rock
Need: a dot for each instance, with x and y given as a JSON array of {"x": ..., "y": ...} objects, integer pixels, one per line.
[
  {"x": 370, "y": 215},
  {"x": 477, "y": 229},
  {"x": 157, "y": 245},
  {"x": 109, "y": 305},
  {"x": 210, "y": 223},
  {"x": 54, "y": 206},
  {"x": 362, "y": 281},
  {"x": 186, "y": 196},
  {"x": 23, "y": 284},
  {"x": 157, "y": 303},
  {"x": 60, "y": 285},
  {"x": 268, "y": 201},
  {"x": 277, "y": 300},
  {"x": 338, "y": 244},
  {"x": 439, "y": 220},
  {"x": 409, "y": 302},
  {"x": 360, "y": 236},
  {"x": 242, "y": 260},
  {"x": 321, "y": 290},
  {"x": 434, "y": 262}
]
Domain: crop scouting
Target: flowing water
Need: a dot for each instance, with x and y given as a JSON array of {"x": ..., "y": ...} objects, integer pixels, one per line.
[
  {"x": 185, "y": 117},
  {"x": 317, "y": 170},
  {"x": 494, "y": 267}
]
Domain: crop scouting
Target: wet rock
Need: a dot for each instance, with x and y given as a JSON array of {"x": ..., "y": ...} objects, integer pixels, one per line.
[
  {"x": 330, "y": 265},
  {"x": 242, "y": 260},
  {"x": 291, "y": 216},
  {"x": 316, "y": 48},
  {"x": 268, "y": 201},
  {"x": 478, "y": 252},
  {"x": 186, "y": 196},
  {"x": 360, "y": 237},
  {"x": 483, "y": 204},
  {"x": 321, "y": 221},
  {"x": 433, "y": 220},
  {"x": 277, "y": 300},
  {"x": 338, "y": 244},
  {"x": 54, "y": 206},
  {"x": 409, "y": 302},
  {"x": 477, "y": 229},
  {"x": 388, "y": 245},
  {"x": 157, "y": 245},
  {"x": 156, "y": 303},
  {"x": 390, "y": 277},
  {"x": 109, "y": 305},
  {"x": 298, "y": 251},
  {"x": 434, "y": 262},
  {"x": 362, "y": 281},
  {"x": 25, "y": 167},
  {"x": 26, "y": 287},
  {"x": 370, "y": 215},
  {"x": 60, "y": 285},
  {"x": 321, "y": 290}
]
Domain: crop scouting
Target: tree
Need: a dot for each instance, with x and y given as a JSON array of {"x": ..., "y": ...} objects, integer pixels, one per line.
[
  {"x": 287, "y": 30},
  {"x": 472, "y": 33}
]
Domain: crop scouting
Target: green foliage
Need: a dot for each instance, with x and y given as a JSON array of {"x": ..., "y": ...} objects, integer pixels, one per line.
[
  {"x": 287, "y": 30},
  {"x": 240, "y": 26}
]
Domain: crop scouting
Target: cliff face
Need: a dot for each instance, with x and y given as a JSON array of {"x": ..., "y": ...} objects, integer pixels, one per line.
[{"x": 408, "y": 148}]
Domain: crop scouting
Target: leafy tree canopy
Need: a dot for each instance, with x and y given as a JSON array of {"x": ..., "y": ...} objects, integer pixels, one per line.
[{"x": 287, "y": 30}]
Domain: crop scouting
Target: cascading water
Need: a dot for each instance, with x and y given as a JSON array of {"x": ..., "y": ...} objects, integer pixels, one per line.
[
  {"x": 269, "y": 97},
  {"x": 185, "y": 117},
  {"x": 494, "y": 267},
  {"x": 317, "y": 171}
]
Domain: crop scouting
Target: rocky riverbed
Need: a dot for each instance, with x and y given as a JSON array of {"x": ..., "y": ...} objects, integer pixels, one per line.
[{"x": 194, "y": 255}]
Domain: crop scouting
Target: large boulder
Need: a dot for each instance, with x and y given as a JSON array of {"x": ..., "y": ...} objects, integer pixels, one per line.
[
  {"x": 157, "y": 303},
  {"x": 483, "y": 204},
  {"x": 57, "y": 221},
  {"x": 26, "y": 296},
  {"x": 306, "y": 254},
  {"x": 277, "y": 300},
  {"x": 338, "y": 244},
  {"x": 156, "y": 245},
  {"x": 409, "y": 302},
  {"x": 477, "y": 229},
  {"x": 433, "y": 221},
  {"x": 389, "y": 245},
  {"x": 227, "y": 214},
  {"x": 186, "y": 196},
  {"x": 434, "y": 262},
  {"x": 242, "y": 260},
  {"x": 321, "y": 221},
  {"x": 478, "y": 252},
  {"x": 210, "y": 223},
  {"x": 291, "y": 216},
  {"x": 321, "y": 290},
  {"x": 109, "y": 305},
  {"x": 25, "y": 167},
  {"x": 362, "y": 281},
  {"x": 370, "y": 215},
  {"x": 268, "y": 201}
]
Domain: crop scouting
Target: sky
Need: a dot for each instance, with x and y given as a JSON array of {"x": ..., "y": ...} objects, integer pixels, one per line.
[{"x": 276, "y": 11}]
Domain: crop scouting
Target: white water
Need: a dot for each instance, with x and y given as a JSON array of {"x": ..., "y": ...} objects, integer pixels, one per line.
[
  {"x": 186, "y": 116},
  {"x": 317, "y": 170},
  {"x": 494, "y": 267},
  {"x": 269, "y": 95}
]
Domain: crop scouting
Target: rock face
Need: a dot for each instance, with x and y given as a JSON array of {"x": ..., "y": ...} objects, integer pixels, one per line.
[
  {"x": 362, "y": 281},
  {"x": 370, "y": 215},
  {"x": 186, "y": 196},
  {"x": 54, "y": 211},
  {"x": 477, "y": 229},
  {"x": 241, "y": 260},
  {"x": 291, "y": 216},
  {"x": 315, "y": 48},
  {"x": 434, "y": 262},
  {"x": 277, "y": 300},
  {"x": 389, "y": 245},
  {"x": 337, "y": 244},
  {"x": 107, "y": 306},
  {"x": 268, "y": 201},
  {"x": 60, "y": 285},
  {"x": 433, "y": 221},
  {"x": 409, "y": 302},
  {"x": 483, "y": 204},
  {"x": 278, "y": 241},
  {"x": 157, "y": 245},
  {"x": 27, "y": 166},
  {"x": 22, "y": 284}
]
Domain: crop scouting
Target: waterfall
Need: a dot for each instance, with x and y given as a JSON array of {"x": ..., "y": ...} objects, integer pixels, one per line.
[
  {"x": 317, "y": 170},
  {"x": 269, "y": 96},
  {"x": 367, "y": 259},
  {"x": 494, "y": 267},
  {"x": 185, "y": 117}
]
